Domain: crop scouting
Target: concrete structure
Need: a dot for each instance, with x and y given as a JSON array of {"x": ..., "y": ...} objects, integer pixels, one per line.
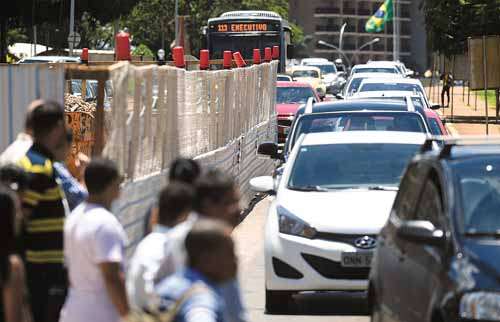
[{"x": 323, "y": 19}]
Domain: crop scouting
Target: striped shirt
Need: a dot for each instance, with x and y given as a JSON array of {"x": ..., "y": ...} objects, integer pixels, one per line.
[{"x": 44, "y": 197}]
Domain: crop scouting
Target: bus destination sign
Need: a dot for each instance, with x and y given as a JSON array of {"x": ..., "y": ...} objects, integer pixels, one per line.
[{"x": 245, "y": 27}]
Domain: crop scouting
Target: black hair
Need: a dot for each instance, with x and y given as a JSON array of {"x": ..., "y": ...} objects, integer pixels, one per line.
[
  {"x": 206, "y": 236},
  {"x": 174, "y": 200},
  {"x": 13, "y": 176},
  {"x": 212, "y": 186},
  {"x": 184, "y": 170},
  {"x": 7, "y": 229},
  {"x": 45, "y": 117},
  {"x": 99, "y": 174}
]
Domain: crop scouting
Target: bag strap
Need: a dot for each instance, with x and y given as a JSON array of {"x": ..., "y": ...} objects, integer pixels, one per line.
[{"x": 170, "y": 314}]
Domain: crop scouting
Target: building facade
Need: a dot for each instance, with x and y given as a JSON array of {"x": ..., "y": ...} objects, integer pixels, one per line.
[{"x": 323, "y": 20}]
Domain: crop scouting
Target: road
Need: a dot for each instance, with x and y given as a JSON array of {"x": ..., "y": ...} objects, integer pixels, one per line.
[{"x": 332, "y": 307}]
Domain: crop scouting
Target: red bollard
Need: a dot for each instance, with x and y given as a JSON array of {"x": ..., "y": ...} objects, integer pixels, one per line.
[
  {"x": 84, "y": 57},
  {"x": 122, "y": 46},
  {"x": 268, "y": 55},
  {"x": 178, "y": 55},
  {"x": 276, "y": 52},
  {"x": 256, "y": 56},
  {"x": 204, "y": 59},
  {"x": 240, "y": 62},
  {"x": 227, "y": 59}
]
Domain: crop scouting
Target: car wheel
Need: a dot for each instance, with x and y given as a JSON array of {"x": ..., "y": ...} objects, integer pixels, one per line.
[{"x": 278, "y": 301}]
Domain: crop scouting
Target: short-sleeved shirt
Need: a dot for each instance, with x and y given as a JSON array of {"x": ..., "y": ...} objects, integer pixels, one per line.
[
  {"x": 92, "y": 236},
  {"x": 44, "y": 197}
]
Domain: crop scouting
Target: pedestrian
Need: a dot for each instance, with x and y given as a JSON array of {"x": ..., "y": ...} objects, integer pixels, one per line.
[
  {"x": 75, "y": 192},
  {"x": 45, "y": 209},
  {"x": 94, "y": 249},
  {"x": 181, "y": 170},
  {"x": 217, "y": 197},
  {"x": 194, "y": 294},
  {"x": 447, "y": 79},
  {"x": 13, "y": 296},
  {"x": 175, "y": 203}
]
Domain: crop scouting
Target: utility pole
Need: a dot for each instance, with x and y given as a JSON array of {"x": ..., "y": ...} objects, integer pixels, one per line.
[
  {"x": 71, "y": 25},
  {"x": 176, "y": 18},
  {"x": 395, "y": 29}
]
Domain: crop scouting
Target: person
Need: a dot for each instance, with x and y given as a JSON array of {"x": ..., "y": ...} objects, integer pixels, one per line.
[
  {"x": 14, "y": 177},
  {"x": 75, "y": 192},
  {"x": 217, "y": 197},
  {"x": 94, "y": 249},
  {"x": 13, "y": 303},
  {"x": 195, "y": 294},
  {"x": 181, "y": 169},
  {"x": 45, "y": 209},
  {"x": 175, "y": 202},
  {"x": 447, "y": 79}
]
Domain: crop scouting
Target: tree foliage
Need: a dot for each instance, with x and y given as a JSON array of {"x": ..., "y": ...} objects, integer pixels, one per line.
[{"x": 451, "y": 22}]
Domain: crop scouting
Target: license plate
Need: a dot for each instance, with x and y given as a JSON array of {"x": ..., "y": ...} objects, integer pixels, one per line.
[{"x": 356, "y": 259}]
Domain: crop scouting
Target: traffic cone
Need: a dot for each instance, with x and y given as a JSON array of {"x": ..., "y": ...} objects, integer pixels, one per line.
[
  {"x": 240, "y": 62},
  {"x": 256, "y": 56},
  {"x": 276, "y": 52},
  {"x": 84, "y": 57},
  {"x": 178, "y": 55},
  {"x": 268, "y": 55},
  {"x": 227, "y": 59},
  {"x": 204, "y": 59}
]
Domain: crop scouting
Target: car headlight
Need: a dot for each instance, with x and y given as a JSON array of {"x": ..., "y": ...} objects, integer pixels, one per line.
[
  {"x": 292, "y": 225},
  {"x": 480, "y": 306}
]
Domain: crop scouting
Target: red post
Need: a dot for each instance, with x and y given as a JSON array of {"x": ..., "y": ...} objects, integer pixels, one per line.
[
  {"x": 240, "y": 62},
  {"x": 178, "y": 55},
  {"x": 204, "y": 59},
  {"x": 256, "y": 56},
  {"x": 84, "y": 57},
  {"x": 276, "y": 52},
  {"x": 122, "y": 46},
  {"x": 268, "y": 55},
  {"x": 227, "y": 59}
]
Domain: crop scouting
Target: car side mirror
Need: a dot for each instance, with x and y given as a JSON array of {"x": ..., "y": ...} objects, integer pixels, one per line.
[
  {"x": 270, "y": 149},
  {"x": 435, "y": 106},
  {"x": 420, "y": 232},
  {"x": 263, "y": 184},
  {"x": 339, "y": 96}
]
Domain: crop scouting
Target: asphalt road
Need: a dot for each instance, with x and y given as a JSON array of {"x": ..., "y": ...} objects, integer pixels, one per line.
[{"x": 326, "y": 306}]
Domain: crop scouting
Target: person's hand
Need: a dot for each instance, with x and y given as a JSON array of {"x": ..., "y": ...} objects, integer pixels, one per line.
[{"x": 81, "y": 163}]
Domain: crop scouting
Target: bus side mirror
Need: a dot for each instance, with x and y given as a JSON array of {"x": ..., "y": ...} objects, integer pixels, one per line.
[{"x": 290, "y": 52}]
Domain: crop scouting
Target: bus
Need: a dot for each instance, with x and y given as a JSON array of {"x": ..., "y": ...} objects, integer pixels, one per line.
[{"x": 244, "y": 31}]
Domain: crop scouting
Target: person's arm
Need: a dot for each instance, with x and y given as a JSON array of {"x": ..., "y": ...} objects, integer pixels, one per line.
[
  {"x": 115, "y": 285},
  {"x": 12, "y": 292}
]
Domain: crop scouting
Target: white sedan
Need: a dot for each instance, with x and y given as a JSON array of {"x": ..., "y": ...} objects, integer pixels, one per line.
[{"x": 333, "y": 198}]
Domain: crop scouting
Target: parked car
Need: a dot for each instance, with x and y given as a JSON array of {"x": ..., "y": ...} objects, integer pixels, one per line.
[
  {"x": 437, "y": 257},
  {"x": 289, "y": 97},
  {"x": 311, "y": 75},
  {"x": 331, "y": 201}
]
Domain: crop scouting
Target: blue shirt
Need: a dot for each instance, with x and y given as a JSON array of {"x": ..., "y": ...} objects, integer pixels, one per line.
[
  {"x": 204, "y": 305},
  {"x": 74, "y": 191}
]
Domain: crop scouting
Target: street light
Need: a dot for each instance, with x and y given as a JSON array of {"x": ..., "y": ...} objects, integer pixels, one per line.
[
  {"x": 324, "y": 43},
  {"x": 341, "y": 37},
  {"x": 371, "y": 42}
]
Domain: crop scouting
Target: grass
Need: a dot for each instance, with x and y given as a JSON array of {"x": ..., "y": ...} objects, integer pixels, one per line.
[{"x": 491, "y": 97}]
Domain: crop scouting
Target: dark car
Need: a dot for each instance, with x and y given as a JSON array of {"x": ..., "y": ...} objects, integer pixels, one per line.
[
  {"x": 316, "y": 110},
  {"x": 438, "y": 256}
]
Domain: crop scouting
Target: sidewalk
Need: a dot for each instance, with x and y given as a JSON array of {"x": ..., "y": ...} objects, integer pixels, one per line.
[{"x": 467, "y": 119}]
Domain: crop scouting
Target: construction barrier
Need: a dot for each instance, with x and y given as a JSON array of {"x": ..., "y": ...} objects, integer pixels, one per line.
[
  {"x": 21, "y": 84},
  {"x": 160, "y": 112}
]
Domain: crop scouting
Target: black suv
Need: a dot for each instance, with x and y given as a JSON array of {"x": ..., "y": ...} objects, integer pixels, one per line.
[{"x": 438, "y": 256}]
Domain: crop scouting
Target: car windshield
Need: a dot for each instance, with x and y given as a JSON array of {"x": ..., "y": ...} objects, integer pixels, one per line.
[
  {"x": 286, "y": 95},
  {"x": 339, "y": 122},
  {"x": 375, "y": 70},
  {"x": 379, "y": 87},
  {"x": 305, "y": 73},
  {"x": 283, "y": 78},
  {"x": 325, "y": 69},
  {"x": 479, "y": 192},
  {"x": 348, "y": 166}
]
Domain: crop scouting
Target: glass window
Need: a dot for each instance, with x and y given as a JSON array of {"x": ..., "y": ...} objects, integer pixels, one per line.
[
  {"x": 434, "y": 126},
  {"x": 293, "y": 94},
  {"x": 305, "y": 73},
  {"x": 379, "y": 87},
  {"x": 430, "y": 206},
  {"x": 354, "y": 85},
  {"x": 406, "y": 199},
  {"x": 344, "y": 166},
  {"x": 325, "y": 69},
  {"x": 479, "y": 191},
  {"x": 375, "y": 70}
]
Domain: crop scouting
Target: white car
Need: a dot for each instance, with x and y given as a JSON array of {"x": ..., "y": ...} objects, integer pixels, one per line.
[
  {"x": 355, "y": 80},
  {"x": 418, "y": 99},
  {"x": 312, "y": 61},
  {"x": 367, "y": 68},
  {"x": 399, "y": 65},
  {"x": 390, "y": 85},
  {"x": 334, "y": 196}
]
